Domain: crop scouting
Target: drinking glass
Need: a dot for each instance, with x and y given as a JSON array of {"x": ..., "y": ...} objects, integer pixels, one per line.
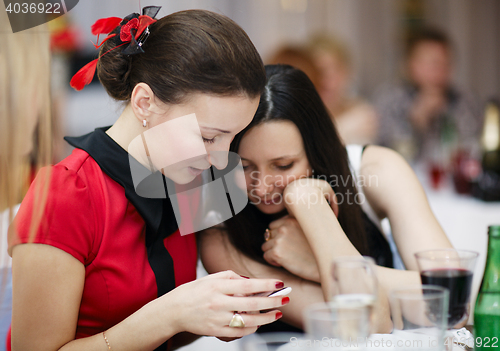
[
  {"x": 355, "y": 283},
  {"x": 336, "y": 326},
  {"x": 451, "y": 269},
  {"x": 419, "y": 314}
]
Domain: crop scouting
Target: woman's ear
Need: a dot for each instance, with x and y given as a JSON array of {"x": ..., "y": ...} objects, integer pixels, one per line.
[{"x": 143, "y": 102}]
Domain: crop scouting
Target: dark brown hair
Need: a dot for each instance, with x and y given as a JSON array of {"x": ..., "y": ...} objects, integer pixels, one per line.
[
  {"x": 291, "y": 96},
  {"x": 427, "y": 34},
  {"x": 186, "y": 52}
]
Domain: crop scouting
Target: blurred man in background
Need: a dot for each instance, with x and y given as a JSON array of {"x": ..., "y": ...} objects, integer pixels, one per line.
[{"x": 426, "y": 116}]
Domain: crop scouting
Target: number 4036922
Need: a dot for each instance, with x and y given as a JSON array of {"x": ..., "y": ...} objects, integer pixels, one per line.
[{"x": 41, "y": 7}]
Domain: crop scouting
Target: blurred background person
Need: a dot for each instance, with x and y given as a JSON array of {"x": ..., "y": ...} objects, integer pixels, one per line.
[
  {"x": 426, "y": 116},
  {"x": 25, "y": 132},
  {"x": 354, "y": 118},
  {"x": 298, "y": 57}
]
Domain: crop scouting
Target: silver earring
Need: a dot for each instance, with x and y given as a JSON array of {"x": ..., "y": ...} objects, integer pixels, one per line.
[{"x": 144, "y": 123}]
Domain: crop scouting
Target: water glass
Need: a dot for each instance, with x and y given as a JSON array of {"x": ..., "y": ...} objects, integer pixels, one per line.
[
  {"x": 355, "y": 283},
  {"x": 336, "y": 326},
  {"x": 419, "y": 314}
]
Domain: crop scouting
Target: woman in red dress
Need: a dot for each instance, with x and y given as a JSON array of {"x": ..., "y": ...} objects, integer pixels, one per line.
[{"x": 108, "y": 269}]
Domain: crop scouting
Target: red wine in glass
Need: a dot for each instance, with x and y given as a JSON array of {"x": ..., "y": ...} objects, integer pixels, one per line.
[{"x": 458, "y": 282}]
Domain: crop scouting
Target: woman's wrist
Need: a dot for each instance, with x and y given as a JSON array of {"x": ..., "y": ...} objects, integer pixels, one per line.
[
  {"x": 148, "y": 327},
  {"x": 168, "y": 314},
  {"x": 305, "y": 196},
  {"x": 145, "y": 329}
]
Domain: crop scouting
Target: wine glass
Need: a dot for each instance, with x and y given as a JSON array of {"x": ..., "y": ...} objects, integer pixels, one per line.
[
  {"x": 451, "y": 269},
  {"x": 355, "y": 283}
]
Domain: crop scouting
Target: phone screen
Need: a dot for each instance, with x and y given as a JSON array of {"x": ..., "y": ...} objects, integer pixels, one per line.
[{"x": 279, "y": 292}]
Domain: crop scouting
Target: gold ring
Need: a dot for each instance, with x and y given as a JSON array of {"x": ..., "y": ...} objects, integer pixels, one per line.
[
  {"x": 267, "y": 235},
  {"x": 237, "y": 321}
]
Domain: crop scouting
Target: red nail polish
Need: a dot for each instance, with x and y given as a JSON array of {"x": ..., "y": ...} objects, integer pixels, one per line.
[
  {"x": 279, "y": 315},
  {"x": 280, "y": 285},
  {"x": 244, "y": 276},
  {"x": 285, "y": 300}
]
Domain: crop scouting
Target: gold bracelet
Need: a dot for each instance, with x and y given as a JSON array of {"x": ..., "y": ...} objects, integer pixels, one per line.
[{"x": 106, "y": 339}]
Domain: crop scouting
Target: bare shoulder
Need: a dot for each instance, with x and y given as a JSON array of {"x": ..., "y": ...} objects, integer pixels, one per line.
[
  {"x": 388, "y": 168},
  {"x": 379, "y": 159},
  {"x": 390, "y": 179}
]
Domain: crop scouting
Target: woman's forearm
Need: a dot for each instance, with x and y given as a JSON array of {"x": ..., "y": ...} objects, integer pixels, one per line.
[
  {"x": 323, "y": 232},
  {"x": 143, "y": 330},
  {"x": 328, "y": 240}
]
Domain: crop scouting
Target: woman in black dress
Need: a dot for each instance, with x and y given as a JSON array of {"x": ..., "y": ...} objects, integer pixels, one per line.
[{"x": 294, "y": 161}]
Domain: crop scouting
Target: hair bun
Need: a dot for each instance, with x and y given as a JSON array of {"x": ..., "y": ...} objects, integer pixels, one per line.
[{"x": 113, "y": 70}]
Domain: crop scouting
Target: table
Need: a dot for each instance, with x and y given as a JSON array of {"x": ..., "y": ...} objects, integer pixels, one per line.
[{"x": 465, "y": 220}]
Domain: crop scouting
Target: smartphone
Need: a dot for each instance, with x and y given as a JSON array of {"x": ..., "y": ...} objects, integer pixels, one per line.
[{"x": 280, "y": 292}]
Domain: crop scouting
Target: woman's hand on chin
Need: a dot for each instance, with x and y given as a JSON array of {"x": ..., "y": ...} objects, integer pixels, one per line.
[
  {"x": 288, "y": 247},
  {"x": 309, "y": 192}
]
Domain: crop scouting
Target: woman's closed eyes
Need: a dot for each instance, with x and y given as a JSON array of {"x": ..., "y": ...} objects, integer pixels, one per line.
[
  {"x": 209, "y": 141},
  {"x": 285, "y": 167}
]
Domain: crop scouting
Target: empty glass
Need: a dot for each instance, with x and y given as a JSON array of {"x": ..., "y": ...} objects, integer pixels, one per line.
[
  {"x": 419, "y": 314},
  {"x": 355, "y": 283},
  {"x": 337, "y": 326}
]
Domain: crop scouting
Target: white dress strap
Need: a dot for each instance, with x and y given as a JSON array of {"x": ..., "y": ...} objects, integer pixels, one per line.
[{"x": 354, "y": 153}]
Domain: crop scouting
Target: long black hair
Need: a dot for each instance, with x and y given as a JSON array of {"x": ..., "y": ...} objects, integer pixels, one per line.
[{"x": 290, "y": 96}]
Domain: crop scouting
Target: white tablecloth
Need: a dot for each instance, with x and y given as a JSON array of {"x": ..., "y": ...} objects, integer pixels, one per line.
[{"x": 376, "y": 342}]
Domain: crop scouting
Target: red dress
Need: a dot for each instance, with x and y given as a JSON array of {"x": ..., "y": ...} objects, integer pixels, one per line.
[{"x": 89, "y": 216}]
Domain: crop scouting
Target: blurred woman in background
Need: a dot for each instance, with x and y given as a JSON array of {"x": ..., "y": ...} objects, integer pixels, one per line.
[
  {"x": 24, "y": 122},
  {"x": 355, "y": 119},
  {"x": 24, "y": 107},
  {"x": 299, "y": 57}
]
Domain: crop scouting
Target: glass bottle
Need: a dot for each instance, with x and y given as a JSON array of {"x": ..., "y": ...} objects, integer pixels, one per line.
[
  {"x": 490, "y": 138},
  {"x": 487, "y": 186},
  {"x": 487, "y": 310}
]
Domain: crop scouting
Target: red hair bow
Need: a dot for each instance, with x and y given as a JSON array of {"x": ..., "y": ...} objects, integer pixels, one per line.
[{"x": 134, "y": 31}]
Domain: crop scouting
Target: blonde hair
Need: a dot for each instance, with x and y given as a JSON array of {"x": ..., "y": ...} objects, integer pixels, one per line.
[
  {"x": 25, "y": 113},
  {"x": 332, "y": 46},
  {"x": 298, "y": 57}
]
